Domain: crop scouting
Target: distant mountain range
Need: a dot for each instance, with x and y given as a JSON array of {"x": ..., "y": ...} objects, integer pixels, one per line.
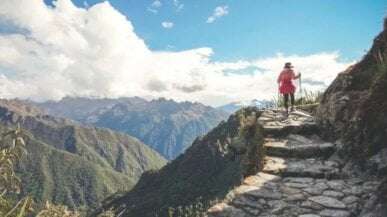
[
  {"x": 70, "y": 164},
  {"x": 167, "y": 126},
  {"x": 234, "y": 106}
]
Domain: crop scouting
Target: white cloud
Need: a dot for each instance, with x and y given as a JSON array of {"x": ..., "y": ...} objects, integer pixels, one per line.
[
  {"x": 156, "y": 4},
  {"x": 219, "y": 11},
  {"x": 167, "y": 24},
  {"x": 66, "y": 50}
]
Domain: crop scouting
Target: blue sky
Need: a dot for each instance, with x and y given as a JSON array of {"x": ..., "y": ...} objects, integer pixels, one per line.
[{"x": 257, "y": 28}]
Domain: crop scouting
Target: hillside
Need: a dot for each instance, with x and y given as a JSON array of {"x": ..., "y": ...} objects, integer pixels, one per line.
[
  {"x": 167, "y": 126},
  {"x": 354, "y": 111},
  {"x": 71, "y": 164},
  {"x": 207, "y": 170}
]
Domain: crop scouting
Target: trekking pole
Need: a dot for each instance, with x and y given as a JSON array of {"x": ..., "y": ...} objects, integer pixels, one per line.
[
  {"x": 300, "y": 82},
  {"x": 279, "y": 97}
]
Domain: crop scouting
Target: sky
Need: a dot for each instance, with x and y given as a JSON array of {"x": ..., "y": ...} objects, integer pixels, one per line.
[{"x": 213, "y": 51}]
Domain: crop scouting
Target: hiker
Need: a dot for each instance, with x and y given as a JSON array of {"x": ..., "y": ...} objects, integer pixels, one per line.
[{"x": 286, "y": 87}]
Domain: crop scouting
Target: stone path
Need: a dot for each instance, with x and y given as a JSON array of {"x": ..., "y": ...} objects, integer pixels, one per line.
[{"x": 298, "y": 178}]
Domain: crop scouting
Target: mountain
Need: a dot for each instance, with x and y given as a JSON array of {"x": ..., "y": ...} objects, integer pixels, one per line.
[
  {"x": 167, "y": 126},
  {"x": 71, "y": 164},
  {"x": 234, "y": 106},
  {"x": 207, "y": 170},
  {"x": 82, "y": 108},
  {"x": 353, "y": 110}
]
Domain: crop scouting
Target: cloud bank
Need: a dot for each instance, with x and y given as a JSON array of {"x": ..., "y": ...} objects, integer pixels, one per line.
[{"x": 52, "y": 52}]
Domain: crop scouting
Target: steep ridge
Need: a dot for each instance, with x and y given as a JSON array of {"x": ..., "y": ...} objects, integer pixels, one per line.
[
  {"x": 354, "y": 107},
  {"x": 301, "y": 177},
  {"x": 71, "y": 164},
  {"x": 353, "y": 111},
  {"x": 167, "y": 126},
  {"x": 213, "y": 164}
]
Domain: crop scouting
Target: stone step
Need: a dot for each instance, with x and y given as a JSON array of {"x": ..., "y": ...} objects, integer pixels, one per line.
[
  {"x": 276, "y": 124},
  {"x": 279, "y": 129},
  {"x": 280, "y": 115},
  {"x": 293, "y": 167},
  {"x": 297, "y": 146}
]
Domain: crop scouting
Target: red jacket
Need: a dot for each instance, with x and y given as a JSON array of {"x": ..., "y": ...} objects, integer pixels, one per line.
[{"x": 285, "y": 81}]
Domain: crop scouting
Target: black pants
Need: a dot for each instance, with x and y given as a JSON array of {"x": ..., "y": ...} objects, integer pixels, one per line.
[{"x": 286, "y": 99}]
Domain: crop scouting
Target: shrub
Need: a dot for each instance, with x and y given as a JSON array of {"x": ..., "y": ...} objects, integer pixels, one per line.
[
  {"x": 12, "y": 149},
  {"x": 51, "y": 210},
  {"x": 307, "y": 98}
]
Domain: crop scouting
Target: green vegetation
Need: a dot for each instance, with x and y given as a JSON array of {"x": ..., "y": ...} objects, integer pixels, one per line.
[
  {"x": 197, "y": 209},
  {"x": 51, "y": 210}
]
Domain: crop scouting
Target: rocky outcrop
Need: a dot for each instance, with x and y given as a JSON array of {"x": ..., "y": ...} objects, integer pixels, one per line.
[
  {"x": 353, "y": 110},
  {"x": 213, "y": 165},
  {"x": 354, "y": 107}
]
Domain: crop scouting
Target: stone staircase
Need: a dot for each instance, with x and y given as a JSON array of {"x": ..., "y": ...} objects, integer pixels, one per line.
[{"x": 298, "y": 179}]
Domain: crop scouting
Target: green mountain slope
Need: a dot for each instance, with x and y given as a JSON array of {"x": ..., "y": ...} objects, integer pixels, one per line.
[
  {"x": 207, "y": 170},
  {"x": 75, "y": 165}
]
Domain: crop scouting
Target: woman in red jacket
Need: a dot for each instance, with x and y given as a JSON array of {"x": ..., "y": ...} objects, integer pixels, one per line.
[{"x": 286, "y": 86}]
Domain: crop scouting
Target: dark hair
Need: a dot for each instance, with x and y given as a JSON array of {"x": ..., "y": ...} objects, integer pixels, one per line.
[{"x": 288, "y": 65}]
